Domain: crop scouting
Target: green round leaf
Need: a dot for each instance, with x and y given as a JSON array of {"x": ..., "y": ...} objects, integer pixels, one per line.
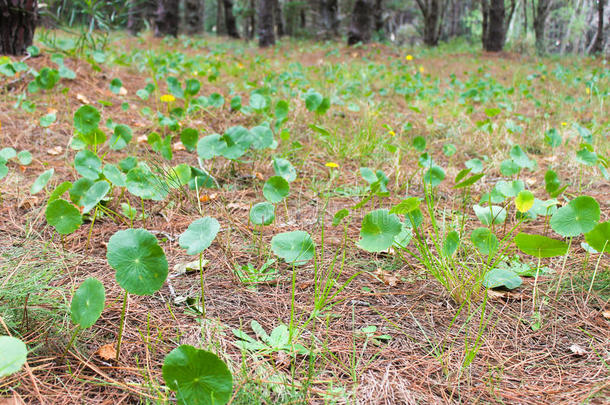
[
  {"x": 451, "y": 243},
  {"x": 94, "y": 195},
  {"x": 142, "y": 183},
  {"x": 189, "y": 138},
  {"x": 476, "y": 165},
  {"x": 115, "y": 85},
  {"x": 120, "y": 137},
  {"x": 379, "y": 228},
  {"x": 197, "y": 376},
  {"x": 276, "y": 188},
  {"x": 294, "y": 247},
  {"x": 210, "y": 146},
  {"x": 7, "y": 153},
  {"x": 258, "y": 102},
  {"x": 139, "y": 261},
  {"x": 484, "y": 240},
  {"x": 86, "y": 119},
  {"x": 62, "y": 215},
  {"x": 285, "y": 169},
  {"x": 540, "y": 246},
  {"x": 419, "y": 143},
  {"x": 492, "y": 214},
  {"x": 25, "y": 157},
  {"x": 78, "y": 190},
  {"x": 47, "y": 120},
  {"x": 434, "y": 176},
  {"x": 579, "y": 216},
  {"x": 524, "y": 201},
  {"x": 599, "y": 237},
  {"x": 88, "y": 303},
  {"x": 262, "y": 213},
  {"x": 87, "y": 164},
  {"x": 13, "y": 355},
  {"x": 501, "y": 277},
  {"x": 262, "y": 137},
  {"x": 114, "y": 175},
  {"x": 59, "y": 191},
  {"x": 199, "y": 235},
  {"x": 41, "y": 181},
  {"x": 236, "y": 141}
]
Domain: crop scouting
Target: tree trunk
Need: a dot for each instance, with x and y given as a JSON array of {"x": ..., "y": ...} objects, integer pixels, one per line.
[
  {"x": 230, "y": 24},
  {"x": 138, "y": 13},
  {"x": 494, "y": 29},
  {"x": 193, "y": 16},
  {"x": 167, "y": 19},
  {"x": 378, "y": 14},
  {"x": 598, "y": 46},
  {"x": 221, "y": 27},
  {"x": 433, "y": 13},
  {"x": 540, "y": 16},
  {"x": 17, "y": 25},
  {"x": 362, "y": 22},
  {"x": 252, "y": 20},
  {"x": 266, "y": 26},
  {"x": 279, "y": 22},
  {"x": 329, "y": 22}
]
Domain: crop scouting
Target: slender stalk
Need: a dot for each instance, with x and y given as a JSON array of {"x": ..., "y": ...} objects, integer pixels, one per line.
[
  {"x": 74, "y": 334},
  {"x": 563, "y": 266},
  {"x": 122, "y": 324},
  {"x": 202, "y": 284},
  {"x": 595, "y": 272}
]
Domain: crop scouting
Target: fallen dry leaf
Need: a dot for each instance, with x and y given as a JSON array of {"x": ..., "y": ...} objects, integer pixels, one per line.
[
  {"x": 142, "y": 139},
  {"x": 123, "y": 91},
  {"x": 208, "y": 197},
  {"x": 388, "y": 279},
  {"x": 82, "y": 98},
  {"x": 509, "y": 295},
  {"x": 578, "y": 350},
  {"x": 178, "y": 146},
  {"x": 55, "y": 150},
  {"x": 107, "y": 352},
  {"x": 606, "y": 314},
  {"x": 52, "y": 111},
  {"x": 259, "y": 176}
]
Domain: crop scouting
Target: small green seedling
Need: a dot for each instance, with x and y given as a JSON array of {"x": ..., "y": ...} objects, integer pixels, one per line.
[
  {"x": 140, "y": 264},
  {"x": 63, "y": 216},
  {"x": 87, "y": 306},
  {"x": 275, "y": 189},
  {"x": 197, "y": 376},
  {"x": 295, "y": 247},
  {"x": 378, "y": 230},
  {"x": 278, "y": 341},
  {"x": 198, "y": 237},
  {"x": 13, "y": 355}
]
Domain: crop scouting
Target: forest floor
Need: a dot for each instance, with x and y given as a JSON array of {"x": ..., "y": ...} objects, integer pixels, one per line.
[{"x": 389, "y": 332}]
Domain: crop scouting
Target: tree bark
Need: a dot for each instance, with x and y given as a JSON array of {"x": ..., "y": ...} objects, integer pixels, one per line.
[
  {"x": 193, "y": 16},
  {"x": 266, "y": 26},
  {"x": 378, "y": 14},
  {"x": 139, "y": 11},
  {"x": 167, "y": 19},
  {"x": 251, "y": 26},
  {"x": 221, "y": 28},
  {"x": 278, "y": 15},
  {"x": 17, "y": 25},
  {"x": 432, "y": 12},
  {"x": 540, "y": 16},
  {"x": 494, "y": 29},
  {"x": 598, "y": 46},
  {"x": 362, "y": 22},
  {"x": 329, "y": 21},
  {"x": 230, "y": 24}
]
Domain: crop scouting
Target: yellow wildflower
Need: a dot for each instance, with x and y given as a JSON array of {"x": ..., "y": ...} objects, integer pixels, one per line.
[
  {"x": 588, "y": 91},
  {"x": 392, "y": 133},
  {"x": 564, "y": 124},
  {"x": 421, "y": 69},
  {"x": 409, "y": 57},
  {"x": 332, "y": 165},
  {"x": 168, "y": 98}
]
